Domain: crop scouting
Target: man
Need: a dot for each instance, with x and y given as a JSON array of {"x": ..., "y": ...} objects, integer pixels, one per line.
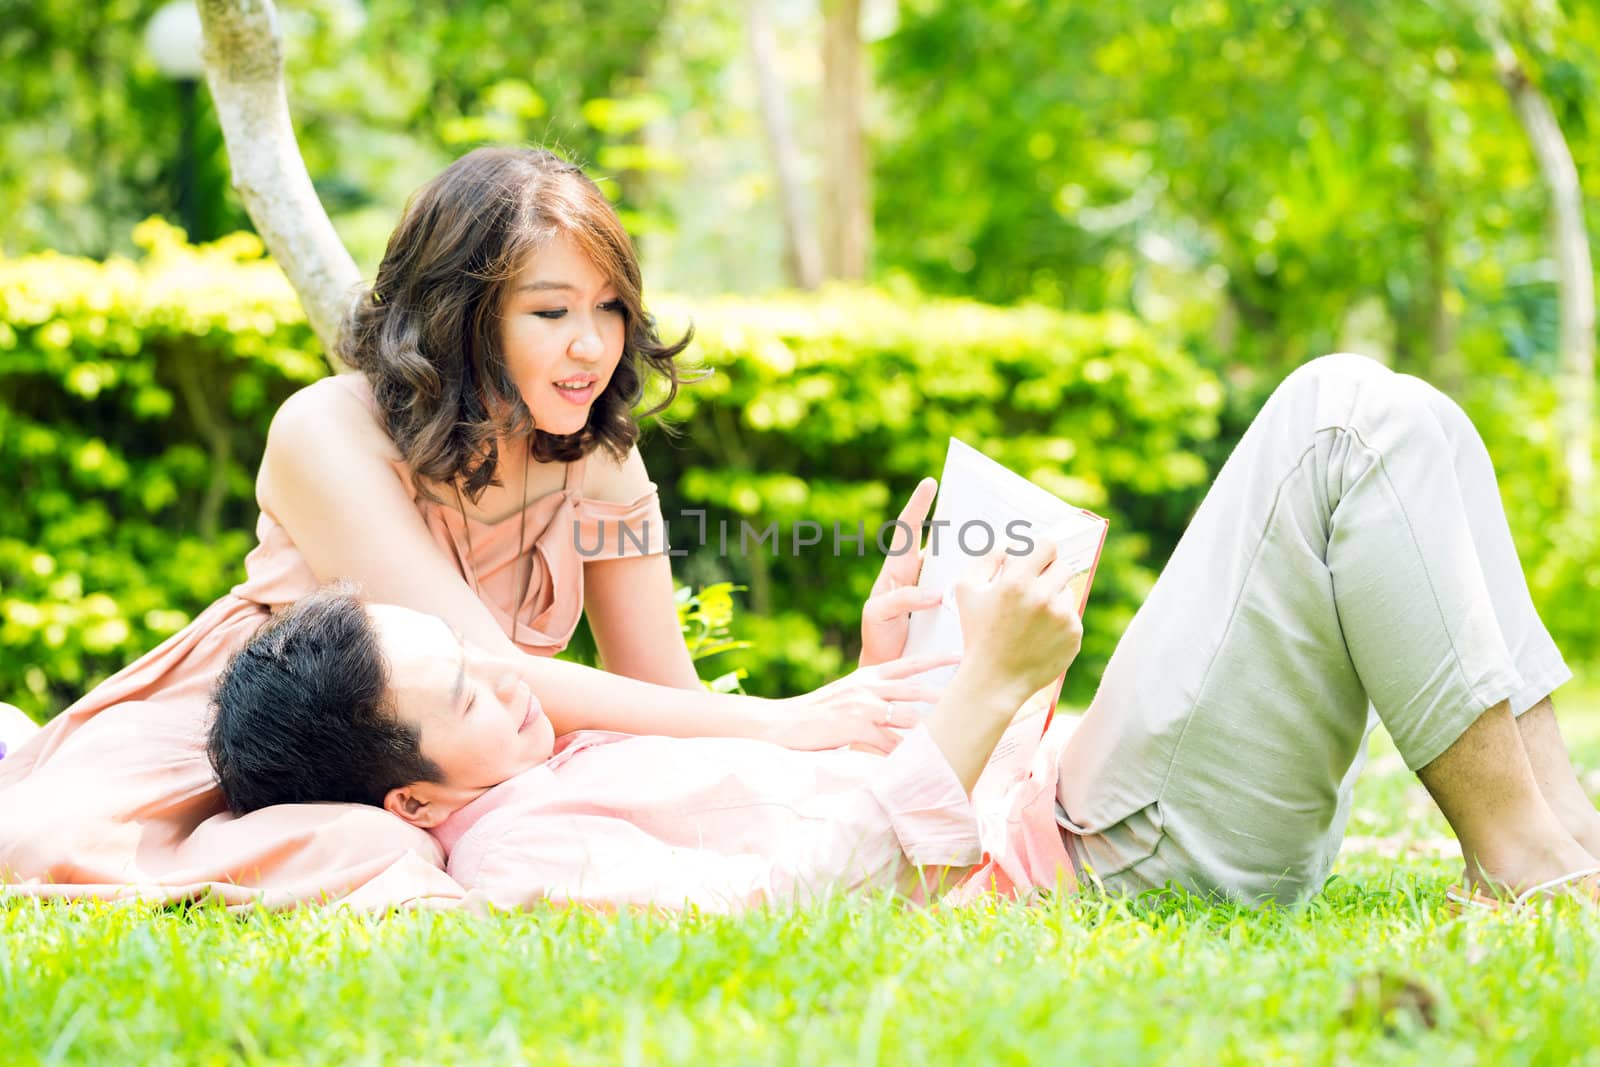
[{"x": 337, "y": 700}]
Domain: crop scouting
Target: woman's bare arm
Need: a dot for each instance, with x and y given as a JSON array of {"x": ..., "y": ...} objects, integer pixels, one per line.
[
  {"x": 328, "y": 478},
  {"x": 576, "y": 697},
  {"x": 630, "y": 602}
]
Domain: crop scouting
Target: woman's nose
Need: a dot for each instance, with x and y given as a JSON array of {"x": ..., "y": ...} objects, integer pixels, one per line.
[{"x": 587, "y": 345}]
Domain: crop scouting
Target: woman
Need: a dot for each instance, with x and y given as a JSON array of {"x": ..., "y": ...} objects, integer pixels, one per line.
[{"x": 487, "y": 435}]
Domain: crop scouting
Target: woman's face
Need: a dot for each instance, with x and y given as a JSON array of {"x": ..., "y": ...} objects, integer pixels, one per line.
[{"x": 562, "y": 334}]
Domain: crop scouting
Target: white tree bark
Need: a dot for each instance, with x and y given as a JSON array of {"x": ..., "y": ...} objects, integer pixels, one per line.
[
  {"x": 1574, "y": 267},
  {"x": 803, "y": 253},
  {"x": 243, "y": 54},
  {"x": 847, "y": 210}
]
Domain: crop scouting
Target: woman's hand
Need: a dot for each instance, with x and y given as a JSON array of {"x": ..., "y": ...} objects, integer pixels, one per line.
[
  {"x": 859, "y": 709},
  {"x": 886, "y": 616}
]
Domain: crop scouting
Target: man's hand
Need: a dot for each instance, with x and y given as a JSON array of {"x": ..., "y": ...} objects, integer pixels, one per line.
[
  {"x": 1019, "y": 618},
  {"x": 886, "y": 616},
  {"x": 1019, "y": 628}
]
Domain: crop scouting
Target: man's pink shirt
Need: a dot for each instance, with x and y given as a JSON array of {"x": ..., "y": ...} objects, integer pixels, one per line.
[{"x": 724, "y": 824}]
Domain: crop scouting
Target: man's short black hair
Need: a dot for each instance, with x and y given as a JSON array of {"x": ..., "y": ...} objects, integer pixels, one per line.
[{"x": 302, "y": 712}]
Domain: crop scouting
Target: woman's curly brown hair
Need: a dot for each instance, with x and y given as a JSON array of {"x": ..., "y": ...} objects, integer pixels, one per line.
[{"x": 427, "y": 332}]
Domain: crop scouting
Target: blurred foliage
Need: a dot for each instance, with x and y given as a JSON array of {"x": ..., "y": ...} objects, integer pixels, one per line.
[
  {"x": 1267, "y": 181},
  {"x": 706, "y": 618},
  {"x": 134, "y": 403},
  {"x": 92, "y": 131},
  {"x": 383, "y": 92},
  {"x": 1260, "y": 180}
]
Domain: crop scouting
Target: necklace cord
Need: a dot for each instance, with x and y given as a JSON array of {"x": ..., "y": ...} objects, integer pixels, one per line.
[{"x": 522, "y": 539}]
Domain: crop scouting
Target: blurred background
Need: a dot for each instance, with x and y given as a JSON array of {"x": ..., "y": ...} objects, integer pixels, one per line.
[{"x": 1088, "y": 238}]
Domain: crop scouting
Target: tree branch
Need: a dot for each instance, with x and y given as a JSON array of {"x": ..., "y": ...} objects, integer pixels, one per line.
[
  {"x": 243, "y": 55},
  {"x": 1574, "y": 264},
  {"x": 847, "y": 212},
  {"x": 218, "y": 436},
  {"x": 804, "y": 254}
]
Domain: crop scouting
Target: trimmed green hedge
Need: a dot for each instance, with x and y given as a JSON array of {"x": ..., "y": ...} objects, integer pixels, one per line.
[
  {"x": 135, "y": 397},
  {"x": 134, "y": 403}
]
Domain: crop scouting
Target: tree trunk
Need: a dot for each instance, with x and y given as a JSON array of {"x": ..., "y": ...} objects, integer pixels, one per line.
[
  {"x": 802, "y": 254},
  {"x": 1428, "y": 324},
  {"x": 1574, "y": 267},
  {"x": 243, "y": 55},
  {"x": 847, "y": 208}
]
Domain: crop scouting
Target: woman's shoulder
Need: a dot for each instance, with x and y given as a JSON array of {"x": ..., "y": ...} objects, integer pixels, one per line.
[
  {"x": 610, "y": 480},
  {"x": 328, "y": 433},
  {"x": 333, "y": 414},
  {"x": 336, "y": 389}
]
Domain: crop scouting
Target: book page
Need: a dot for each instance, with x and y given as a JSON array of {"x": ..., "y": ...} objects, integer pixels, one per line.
[{"x": 983, "y": 505}]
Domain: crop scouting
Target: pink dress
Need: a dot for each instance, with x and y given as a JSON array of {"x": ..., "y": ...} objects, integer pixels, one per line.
[{"x": 115, "y": 798}]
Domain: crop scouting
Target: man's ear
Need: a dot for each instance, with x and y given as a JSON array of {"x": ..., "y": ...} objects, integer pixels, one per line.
[{"x": 420, "y": 804}]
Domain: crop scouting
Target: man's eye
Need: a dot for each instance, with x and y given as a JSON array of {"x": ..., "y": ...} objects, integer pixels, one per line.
[{"x": 554, "y": 313}]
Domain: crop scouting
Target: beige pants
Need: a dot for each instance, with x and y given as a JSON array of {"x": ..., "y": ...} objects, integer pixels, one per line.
[{"x": 1352, "y": 550}]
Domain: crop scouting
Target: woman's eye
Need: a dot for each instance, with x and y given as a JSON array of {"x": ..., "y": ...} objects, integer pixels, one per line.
[
  {"x": 616, "y": 306},
  {"x": 553, "y": 313}
]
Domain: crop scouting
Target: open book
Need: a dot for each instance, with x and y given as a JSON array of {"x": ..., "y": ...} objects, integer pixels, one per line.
[{"x": 984, "y": 505}]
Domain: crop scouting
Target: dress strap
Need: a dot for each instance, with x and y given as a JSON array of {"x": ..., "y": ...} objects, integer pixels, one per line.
[{"x": 573, "y": 483}]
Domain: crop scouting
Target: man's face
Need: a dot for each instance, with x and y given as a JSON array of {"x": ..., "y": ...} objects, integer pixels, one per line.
[{"x": 478, "y": 720}]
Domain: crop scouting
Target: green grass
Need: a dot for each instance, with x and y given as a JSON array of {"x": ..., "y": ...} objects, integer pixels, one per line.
[{"x": 1374, "y": 970}]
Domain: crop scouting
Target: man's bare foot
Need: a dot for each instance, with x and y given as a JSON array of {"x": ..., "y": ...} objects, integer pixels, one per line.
[
  {"x": 1511, "y": 835},
  {"x": 1582, "y": 885},
  {"x": 1558, "y": 779},
  {"x": 1509, "y": 873},
  {"x": 1586, "y": 831}
]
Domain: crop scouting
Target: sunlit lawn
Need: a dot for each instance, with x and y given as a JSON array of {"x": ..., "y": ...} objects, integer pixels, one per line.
[{"x": 1375, "y": 970}]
